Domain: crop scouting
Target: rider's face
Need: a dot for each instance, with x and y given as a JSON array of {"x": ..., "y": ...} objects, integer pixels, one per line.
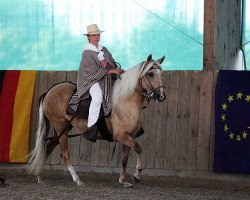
[{"x": 94, "y": 39}]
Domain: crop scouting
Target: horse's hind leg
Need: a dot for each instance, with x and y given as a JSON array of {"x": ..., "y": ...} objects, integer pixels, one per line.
[
  {"x": 130, "y": 142},
  {"x": 66, "y": 158}
]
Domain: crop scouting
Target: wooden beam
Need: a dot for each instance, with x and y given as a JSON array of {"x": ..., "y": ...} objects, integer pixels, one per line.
[
  {"x": 227, "y": 35},
  {"x": 208, "y": 41}
]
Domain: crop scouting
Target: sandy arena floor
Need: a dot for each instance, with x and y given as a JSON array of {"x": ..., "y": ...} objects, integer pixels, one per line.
[{"x": 59, "y": 185}]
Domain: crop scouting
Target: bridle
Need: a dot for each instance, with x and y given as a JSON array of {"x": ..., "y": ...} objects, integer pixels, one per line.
[{"x": 151, "y": 93}]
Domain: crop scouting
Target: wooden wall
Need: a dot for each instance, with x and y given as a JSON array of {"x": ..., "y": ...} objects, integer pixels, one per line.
[{"x": 179, "y": 133}]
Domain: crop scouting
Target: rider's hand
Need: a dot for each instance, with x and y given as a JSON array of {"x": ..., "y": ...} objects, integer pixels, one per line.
[
  {"x": 112, "y": 65},
  {"x": 104, "y": 63}
]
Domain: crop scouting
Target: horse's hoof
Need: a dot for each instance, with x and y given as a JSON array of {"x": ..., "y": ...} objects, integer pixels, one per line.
[
  {"x": 135, "y": 179},
  {"x": 128, "y": 185},
  {"x": 39, "y": 179},
  {"x": 79, "y": 183}
]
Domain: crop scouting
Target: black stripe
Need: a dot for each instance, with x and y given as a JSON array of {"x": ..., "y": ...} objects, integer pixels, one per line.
[{"x": 2, "y": 74}]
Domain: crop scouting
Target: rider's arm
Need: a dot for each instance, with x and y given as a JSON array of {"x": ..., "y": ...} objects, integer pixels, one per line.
[{"x": 115, "y": 71}]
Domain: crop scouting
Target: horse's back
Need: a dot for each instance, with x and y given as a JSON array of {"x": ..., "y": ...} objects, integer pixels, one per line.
[{"x": 57, "y": 98}]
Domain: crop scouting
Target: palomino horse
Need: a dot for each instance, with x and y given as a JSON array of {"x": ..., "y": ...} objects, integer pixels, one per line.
[{"x": 143, "y": 81}]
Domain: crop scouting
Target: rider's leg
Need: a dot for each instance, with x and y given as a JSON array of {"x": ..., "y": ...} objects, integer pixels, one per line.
[
  {"x": 94, "y": 111},
  {"x": 95, "y": 105}
]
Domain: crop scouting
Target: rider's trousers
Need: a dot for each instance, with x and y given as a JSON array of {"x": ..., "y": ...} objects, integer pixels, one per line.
[{"x": 95, "y": 105}]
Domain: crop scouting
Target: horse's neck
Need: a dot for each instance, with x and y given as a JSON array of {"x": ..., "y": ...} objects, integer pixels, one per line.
[
  {"x": 128, "y": 110},
  {"x": 134, "y": 101}
]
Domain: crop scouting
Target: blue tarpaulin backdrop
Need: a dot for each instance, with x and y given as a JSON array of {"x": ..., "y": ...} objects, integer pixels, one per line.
[{"x": 48, "y": 35}]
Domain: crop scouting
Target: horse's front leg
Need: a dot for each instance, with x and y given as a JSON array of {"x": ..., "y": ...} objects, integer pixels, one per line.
[
  {"x": 138, "y": 169},
  {"x": 129, "y": 141},
  {"x": 125, "y": 155}
]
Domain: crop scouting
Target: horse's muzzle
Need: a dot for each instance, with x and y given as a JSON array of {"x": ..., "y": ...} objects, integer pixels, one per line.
[{"x": 159, "y": 95}]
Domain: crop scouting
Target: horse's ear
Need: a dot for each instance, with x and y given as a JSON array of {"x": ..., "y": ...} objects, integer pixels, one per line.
[
  {"x": 160, "y": 60},
  {"x": 149, "y": 58}
]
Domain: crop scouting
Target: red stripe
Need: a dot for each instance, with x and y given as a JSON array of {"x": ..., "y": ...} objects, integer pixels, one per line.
[{"x": 7, "y": 101}]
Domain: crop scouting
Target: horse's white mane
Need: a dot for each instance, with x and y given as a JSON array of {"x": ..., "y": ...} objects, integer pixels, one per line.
[{"x": 129, "y": 79}]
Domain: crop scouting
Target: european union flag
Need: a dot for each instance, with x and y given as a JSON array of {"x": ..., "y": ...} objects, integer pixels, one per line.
[{"x": 232, "y": 122}]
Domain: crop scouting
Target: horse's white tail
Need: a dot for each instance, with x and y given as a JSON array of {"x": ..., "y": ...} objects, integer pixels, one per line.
[{"x": 38, "y": 154}]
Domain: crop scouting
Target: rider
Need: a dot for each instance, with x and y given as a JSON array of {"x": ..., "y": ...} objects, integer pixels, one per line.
[{"x": 94, "y": 79}]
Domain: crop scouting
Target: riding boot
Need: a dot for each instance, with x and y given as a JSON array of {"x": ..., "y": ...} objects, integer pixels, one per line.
[{"x": 91, "y": 133}]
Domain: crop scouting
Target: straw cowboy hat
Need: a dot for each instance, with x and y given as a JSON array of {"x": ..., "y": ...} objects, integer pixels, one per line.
[{"x": 93, "y": 30}]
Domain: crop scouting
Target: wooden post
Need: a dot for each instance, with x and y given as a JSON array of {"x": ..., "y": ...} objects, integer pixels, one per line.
[
  {"x": 208, "y": 41},
  {"x": 227, "y": 35}
]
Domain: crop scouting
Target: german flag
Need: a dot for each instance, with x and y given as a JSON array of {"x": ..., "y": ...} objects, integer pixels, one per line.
[{"x": 16, "y": 89}]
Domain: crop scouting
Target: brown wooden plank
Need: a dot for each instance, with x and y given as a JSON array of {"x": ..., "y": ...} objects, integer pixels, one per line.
[
  {"x": 182, "y": 123},
  {"x": 143, "y": 139},
  {"x": 74, "y": 147},
  {"x": 193, "y": 123},
  {"x": 172, "y": 99},
  {"x": 85, "y": 152},
  {"x": 104, "y": 154},
  {"x": 113, "y": 162},
  {"x": 161, "y": 128},
  {"x": 212, "y": 136},
  {"x": 119, "y": 152},
  {"x": 153, "y": 110},
  {"x": 205, "y": 118},
  {"x": 95, "y": 153}
]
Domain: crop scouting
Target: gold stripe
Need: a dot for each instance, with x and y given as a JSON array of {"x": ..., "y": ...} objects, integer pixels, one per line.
[{"x": 19, "y": 144}]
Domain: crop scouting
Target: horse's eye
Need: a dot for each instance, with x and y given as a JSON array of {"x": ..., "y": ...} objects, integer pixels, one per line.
[{"x": 151, "y": 74}]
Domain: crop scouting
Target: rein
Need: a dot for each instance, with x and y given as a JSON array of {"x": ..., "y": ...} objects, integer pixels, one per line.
[
  {"x": 53, "y": 141},
  {"x": 148, "y": 96}
]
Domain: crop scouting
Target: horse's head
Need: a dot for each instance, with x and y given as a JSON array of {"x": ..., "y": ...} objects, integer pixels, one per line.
[{"x": 151, "y": 79}]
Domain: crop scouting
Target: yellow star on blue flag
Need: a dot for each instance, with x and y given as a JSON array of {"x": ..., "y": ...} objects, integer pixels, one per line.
[
  {"x": 239, "y": 95},
  {"x": 230, "y": 98},
  {"x": 247, "y": 98}
]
